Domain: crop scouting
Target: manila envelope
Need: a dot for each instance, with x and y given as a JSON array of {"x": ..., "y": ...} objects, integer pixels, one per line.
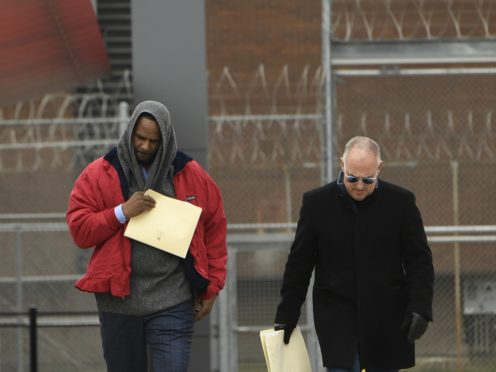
[{"x": 169, "y": 226}]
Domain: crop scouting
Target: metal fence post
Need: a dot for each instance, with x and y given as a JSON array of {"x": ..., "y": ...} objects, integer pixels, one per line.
[
  {"x": 19, "y": 300},
  {"x": 33, "y": 339},
  {"x": 327, "y": 71},
  {"x": 457, "y": 270},
  {"x": 232, "y": 260},
  {"x": 227, "y": 327},
  {"x": 224, "y": 326},
  {"x": 123, "y": 116},
  {"x": 313, "y": 343}
]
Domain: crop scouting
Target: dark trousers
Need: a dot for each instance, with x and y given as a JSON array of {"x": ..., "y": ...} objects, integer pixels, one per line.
[{"x": 165, "y": 336}]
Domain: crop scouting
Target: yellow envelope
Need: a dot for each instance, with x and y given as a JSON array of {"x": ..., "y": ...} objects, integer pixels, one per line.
[
  {"x": 169, "y": 226},
  {"x": 280, "y": 357}
]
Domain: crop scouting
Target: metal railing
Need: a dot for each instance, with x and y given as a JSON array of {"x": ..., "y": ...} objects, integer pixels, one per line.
[
  {"x": 34, "y": 319},
  {"x": 246, "y": 305}
]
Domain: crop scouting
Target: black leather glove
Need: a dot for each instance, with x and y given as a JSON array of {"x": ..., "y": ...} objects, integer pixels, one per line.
[
  {"x": 416, "y": 325},
  {"x": 288, "y": 329}
]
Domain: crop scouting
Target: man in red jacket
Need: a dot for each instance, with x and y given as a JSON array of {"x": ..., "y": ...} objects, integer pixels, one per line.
[{"x": 147, "y": 299}]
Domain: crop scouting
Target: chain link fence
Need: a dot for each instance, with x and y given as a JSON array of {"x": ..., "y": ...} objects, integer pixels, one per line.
[
  {"x": 44, "y": 144},
  {"x": 437, "y": 136},
  {"x": 39, "y": 266},
  {"x": 437, "y": 133}
]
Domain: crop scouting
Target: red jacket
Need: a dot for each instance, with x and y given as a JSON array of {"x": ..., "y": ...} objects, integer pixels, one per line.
[{"x": 92, "y": 223}]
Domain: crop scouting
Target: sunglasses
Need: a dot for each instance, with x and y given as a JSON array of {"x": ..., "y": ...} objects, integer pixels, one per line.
[{"x": 365, "y": 180}]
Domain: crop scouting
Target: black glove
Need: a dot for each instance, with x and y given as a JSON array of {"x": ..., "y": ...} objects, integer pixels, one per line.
[
  {"x": 416, "y": 325},
  {"x": 288, "y": 329}
]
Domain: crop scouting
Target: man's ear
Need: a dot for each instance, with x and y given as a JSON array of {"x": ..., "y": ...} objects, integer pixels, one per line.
[
  {"x": 341, "y": 162},
  {"x": 379, "y": 167}
]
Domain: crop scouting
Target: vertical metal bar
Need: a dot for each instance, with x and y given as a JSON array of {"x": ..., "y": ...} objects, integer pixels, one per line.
[
  {"x": 233, "y": 308},
  {"x": 123, "y": 116},
  {"x": 327, "y": 172},
  {"x": 327, "y": 71},
  {"x": 19, "y": 299},
  {"x": 457, "y": 273},
  {"x": 215, "y": 335},
  {"x": 33, "y": 339},
  {"x": 312, "y": 346},
  {"x": 287, "y": 189},
  {"x": 224, "y": 325}
]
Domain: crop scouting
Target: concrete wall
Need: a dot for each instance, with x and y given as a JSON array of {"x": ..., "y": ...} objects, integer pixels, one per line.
[{"x": 169, "y": 65}]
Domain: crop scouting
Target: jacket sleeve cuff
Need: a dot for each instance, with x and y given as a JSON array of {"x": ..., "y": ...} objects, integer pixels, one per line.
[
  {"x": 119, "y": 214},
  {"x": 211, "y": 292},
  {"x": 111, "y": 218}
]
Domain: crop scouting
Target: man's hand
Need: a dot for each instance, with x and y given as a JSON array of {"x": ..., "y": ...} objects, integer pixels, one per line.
[
  {"x": 137, "y": 204},
  {"x": 203, "y": 307},
  {"x": 288, "y": 329},
  {"x": 416, "y": 325}
]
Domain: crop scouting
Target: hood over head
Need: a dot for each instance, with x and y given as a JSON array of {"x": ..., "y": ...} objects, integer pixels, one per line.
[{"x": 162, "y": 163}]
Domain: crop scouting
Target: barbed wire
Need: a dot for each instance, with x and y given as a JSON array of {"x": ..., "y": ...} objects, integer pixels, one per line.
[
  {"x": 279, "y": 141},
  {"x": 62, "y": 130},
  {"x": 298, "y": 92},
  {"x": 412, "y": 19},
  {"x": 57, "y": 131},
  {"x": 265, "y": 122},
  {"x": 426, "y": 139}
]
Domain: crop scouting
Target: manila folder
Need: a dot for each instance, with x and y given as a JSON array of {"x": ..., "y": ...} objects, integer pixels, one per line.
[
  {"x": 169, "y": 226},
  {"x": 280, "y": 357}
]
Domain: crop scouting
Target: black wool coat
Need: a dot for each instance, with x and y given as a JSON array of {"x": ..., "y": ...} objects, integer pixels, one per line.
[{"x": 373, "y": 267}]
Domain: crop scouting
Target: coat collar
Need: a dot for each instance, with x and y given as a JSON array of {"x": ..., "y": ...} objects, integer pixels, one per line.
[{"x": 180, "y": 161}]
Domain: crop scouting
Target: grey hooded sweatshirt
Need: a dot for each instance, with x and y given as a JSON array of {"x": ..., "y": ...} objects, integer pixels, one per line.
[{"x": 157, "y": 277}]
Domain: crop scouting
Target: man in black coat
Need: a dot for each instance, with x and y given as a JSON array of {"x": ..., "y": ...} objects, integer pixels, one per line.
[{"x": 373, "y": 289}]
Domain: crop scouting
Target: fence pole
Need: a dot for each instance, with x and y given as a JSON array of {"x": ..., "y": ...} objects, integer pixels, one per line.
[
  {"x": 19, "y": 301},
  {"x": 123, "y": 117},
  {"x": 457, "y": 272},
  {"x": 327, "y": 71},
  {"x": 232, "y": 261},
  {"x": 33, "y": 339}
]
